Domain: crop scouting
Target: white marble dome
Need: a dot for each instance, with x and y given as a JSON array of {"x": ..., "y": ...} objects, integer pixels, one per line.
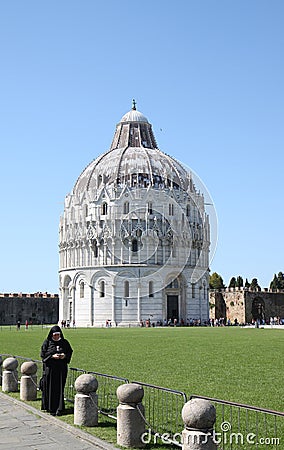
[
  {"x": 134, "y": 236},
  {"x": 133, "y": 158}
]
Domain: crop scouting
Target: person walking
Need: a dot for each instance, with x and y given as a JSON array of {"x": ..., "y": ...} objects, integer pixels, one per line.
[{"x": 56, "y": 354}]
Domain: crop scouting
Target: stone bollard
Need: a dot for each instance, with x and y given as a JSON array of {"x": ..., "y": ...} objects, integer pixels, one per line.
[
  {"x": 1, "y": 362},
  {"x": 28, "y": 385},
  {"x": 86, "y": 401},
  {"x": 130, "y": 415},
  {"x": 10, "y": 375},
  {"x": 199, "y": 417}
]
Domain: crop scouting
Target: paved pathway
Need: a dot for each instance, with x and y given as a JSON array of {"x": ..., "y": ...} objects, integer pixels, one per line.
[{"x": 25, "y": 427}]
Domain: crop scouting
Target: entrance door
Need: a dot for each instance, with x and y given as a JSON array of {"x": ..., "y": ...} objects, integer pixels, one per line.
[
  {"x": 258, "y": 310},
  {"x": 172, "y": 307}
]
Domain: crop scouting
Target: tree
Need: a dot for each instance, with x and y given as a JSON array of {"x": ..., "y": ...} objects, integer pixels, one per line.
[
  {"x": 216, "y": 281},
  {"x": 239, "y": 282},
  {"x": 277, "y": 282},
  {"x": 232, "y": 283},
  {"x": 254, "y": 286},
  {"x": 273, "y": 284},
  {"x": 247, "y": 284},
  {"x": 280, "y": 280}
]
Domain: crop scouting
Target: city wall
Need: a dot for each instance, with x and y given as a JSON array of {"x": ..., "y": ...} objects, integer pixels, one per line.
[
  {"x": 36, "y": 308},
  {"x": 245, "y": 305}
]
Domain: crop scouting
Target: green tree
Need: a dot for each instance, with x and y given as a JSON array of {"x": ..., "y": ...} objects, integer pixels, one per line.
[
  {"x": 216, "y": 281},
  {"x": 280, "y": 280},
  {"x": 247, "y": 284},
  {"x": 254, "y": 286},
  {"x": 277, "y": 282},
  {"x": 239, "y": 282},
  {"x": 232, "y": 283},
  {"x": 273, "y": 284}
]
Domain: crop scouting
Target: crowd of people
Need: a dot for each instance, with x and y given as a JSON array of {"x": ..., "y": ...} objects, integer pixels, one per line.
[
  {"x": 173, "y": 322},
  {"x": 218, "y": 322}
]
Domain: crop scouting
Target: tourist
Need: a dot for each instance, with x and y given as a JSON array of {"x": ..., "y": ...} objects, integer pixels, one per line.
[{"x": 56, "y": 353}]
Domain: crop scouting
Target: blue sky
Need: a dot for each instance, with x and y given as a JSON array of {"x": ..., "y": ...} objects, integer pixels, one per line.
[{"x": 207, "y": 74}]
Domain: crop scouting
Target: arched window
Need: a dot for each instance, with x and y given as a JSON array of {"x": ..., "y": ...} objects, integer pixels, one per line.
[
  {"x": 150, "y": 208},
  {"x": 138, "y": 232},
  {"x": 104, "y": 209},
  {"x": 126, "y": 208},
  {"x": 173, "y": 284},
  {"x": 151, "y": 289},
  {"x": 134, "y": 245},
  {"x": 102, "y": 288},
  {"x": 95, "y": 248},
  {"x": 187, "y": 210},
  {"x": 171, "y": 209},
  {"x": 126, "y": 289},
  {"x": 100, "y": 179},
  {"x": 82, "y": 289}
]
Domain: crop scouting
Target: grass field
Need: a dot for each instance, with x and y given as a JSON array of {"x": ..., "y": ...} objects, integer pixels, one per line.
[{"x": 230, "y": 363}]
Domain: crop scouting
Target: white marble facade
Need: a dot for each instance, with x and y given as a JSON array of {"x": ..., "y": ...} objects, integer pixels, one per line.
[{"x": 134, "y": 237}]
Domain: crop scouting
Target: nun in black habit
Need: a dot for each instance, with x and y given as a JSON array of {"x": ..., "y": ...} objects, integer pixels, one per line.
[{"x": 56, "y": 353}]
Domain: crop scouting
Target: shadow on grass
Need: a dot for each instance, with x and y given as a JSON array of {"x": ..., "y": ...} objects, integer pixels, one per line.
[
  {"x": 106, "y": 425},
  {"x": 68, "y": 411}
]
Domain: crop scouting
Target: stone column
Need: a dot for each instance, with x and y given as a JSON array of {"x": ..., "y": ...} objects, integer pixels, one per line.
[
  {"x": 91, "y": 305},
  {"x": 139, "y": 300},
  {"x": 199, "y": 417},
  {"x": 164, "y": 251},
  {"x": 105, "y": 253},
  {"x": 28, "y": 385},
  {"x": 73, "y": 294},
  {"x": 113, "y": 305},
  {"x": 10, "y": 375},
  {"x": 129, "y": 252},
  {"x": 1, "y": 362},
  {"x": 86, "y": 401},
  {"x": 130, "y": 413},
  {"x": 112, "y": 251}
]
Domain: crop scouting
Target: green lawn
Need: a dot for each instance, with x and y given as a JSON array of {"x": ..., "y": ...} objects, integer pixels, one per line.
[{"x": 230, "y": 363}]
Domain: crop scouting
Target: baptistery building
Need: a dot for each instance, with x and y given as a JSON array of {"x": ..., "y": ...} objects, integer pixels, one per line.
[{"x": 134, "y": 237}]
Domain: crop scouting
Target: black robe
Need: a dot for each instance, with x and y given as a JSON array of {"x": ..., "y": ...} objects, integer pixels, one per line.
[{"x": 54, "y": 374}]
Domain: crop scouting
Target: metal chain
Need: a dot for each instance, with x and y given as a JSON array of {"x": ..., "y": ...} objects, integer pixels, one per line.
[
  {"x": 14, "y": 376},
  {"x": 145, "y": 420},
  {"x": 156, "y": 433},
  {"x": 33, "y": 381},
  {"x": 13, "y": 372},
  {"x": 94, "y": 403}
]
